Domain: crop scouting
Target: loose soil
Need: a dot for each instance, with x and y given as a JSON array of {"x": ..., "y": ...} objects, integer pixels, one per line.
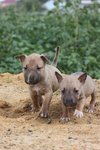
[{"x": 20, "y": 129}]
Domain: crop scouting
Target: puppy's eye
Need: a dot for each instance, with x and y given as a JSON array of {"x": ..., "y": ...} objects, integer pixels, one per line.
[
  {"x": 39, "y": 67},
  {"x": 76, "y": 90},
  {"x": 25, "y": 67},
  {"x": 63, "y": 91}
]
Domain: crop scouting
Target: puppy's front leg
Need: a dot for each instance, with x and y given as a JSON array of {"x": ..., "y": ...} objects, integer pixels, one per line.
[
  {"x": 35, "y": 101},
  {"x": 79, "y": 108},
  {"x": 65, "y": 116},
  {"x": 45, "y": 105}
]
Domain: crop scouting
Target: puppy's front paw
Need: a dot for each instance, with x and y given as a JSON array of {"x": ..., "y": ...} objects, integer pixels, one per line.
[
  {"x": 78, "y": 114},
  {"x": 43, "y": 114},
  {"x": 64, "y": 119},
  {"x": 91, "y": 109},
  {"x": 34, "y": 109}
]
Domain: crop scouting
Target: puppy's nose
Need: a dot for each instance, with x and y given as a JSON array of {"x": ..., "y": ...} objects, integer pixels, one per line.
[
  {"x": 34, "y": 80},
  {"x": 68, "y": 102}
]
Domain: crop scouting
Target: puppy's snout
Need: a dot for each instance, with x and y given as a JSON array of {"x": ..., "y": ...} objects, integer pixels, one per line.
[
  {"x": 69, "y": 102},
  {"x": 32, "y": 78}
]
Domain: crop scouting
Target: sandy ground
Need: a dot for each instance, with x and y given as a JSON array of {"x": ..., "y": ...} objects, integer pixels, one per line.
[{"x": 20, "y": 130}]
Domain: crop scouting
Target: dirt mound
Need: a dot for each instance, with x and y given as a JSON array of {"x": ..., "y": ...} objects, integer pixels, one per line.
[{"x": 21, "y": 129}]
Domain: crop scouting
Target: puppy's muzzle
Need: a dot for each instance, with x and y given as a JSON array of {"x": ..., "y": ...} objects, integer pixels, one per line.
[
  {"x": 69, "y": 102},
  {"x": 32, "y": 79}
]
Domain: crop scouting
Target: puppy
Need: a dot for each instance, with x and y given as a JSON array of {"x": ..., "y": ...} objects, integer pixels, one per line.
[
  {"x": 75, "y": 88},
  {"x": 41, "y": 80}
]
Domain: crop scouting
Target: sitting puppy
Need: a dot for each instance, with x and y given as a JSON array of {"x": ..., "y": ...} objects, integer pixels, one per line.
[
  {"x": 75, "y": 88},
  {"x": 41, "y": 80}
]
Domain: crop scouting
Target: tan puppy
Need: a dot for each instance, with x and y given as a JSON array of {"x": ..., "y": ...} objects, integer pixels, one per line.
[
  {"x": 41, "y": 80},
  {"x": 75, "y": 88}
]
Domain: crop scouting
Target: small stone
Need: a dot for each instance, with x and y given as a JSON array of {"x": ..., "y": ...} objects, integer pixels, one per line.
[
  {"x": 49, "y": 121},
  {"x": 70, "y": 137},
  {"x": 29, "y": 130}
]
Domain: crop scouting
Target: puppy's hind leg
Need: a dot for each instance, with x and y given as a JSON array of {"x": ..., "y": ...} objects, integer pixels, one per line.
[{"x": 92, "y": 102}]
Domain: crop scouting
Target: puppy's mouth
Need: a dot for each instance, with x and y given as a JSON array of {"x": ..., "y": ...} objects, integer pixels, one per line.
[
  {"x": 33, "y": 82},
  {"x": 69, "y": 105}
]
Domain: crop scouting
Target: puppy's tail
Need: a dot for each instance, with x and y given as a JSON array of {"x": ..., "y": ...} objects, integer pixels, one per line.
[{"x": 55, "y": 60}]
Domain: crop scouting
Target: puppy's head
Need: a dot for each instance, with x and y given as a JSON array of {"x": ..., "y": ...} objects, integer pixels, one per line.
[
  {"x": 71, "y": 88},
  {"x": 33, "y": 67}
]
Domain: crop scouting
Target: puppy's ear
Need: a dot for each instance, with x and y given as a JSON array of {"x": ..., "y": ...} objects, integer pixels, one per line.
[
  {"x": 82, "y": 78},
  {"x": 44, "y": 58},
  {"x": 21, "y": 57},
  {"x": 59, "y": 77}
]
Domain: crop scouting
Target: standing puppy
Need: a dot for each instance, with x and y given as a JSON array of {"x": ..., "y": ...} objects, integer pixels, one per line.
[
  {"x": 75, "y": 88},
  {"x": 41, "y": 80}
]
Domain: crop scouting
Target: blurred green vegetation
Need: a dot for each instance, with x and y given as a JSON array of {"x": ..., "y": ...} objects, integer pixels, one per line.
[{"x": 75, "y": 29}]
